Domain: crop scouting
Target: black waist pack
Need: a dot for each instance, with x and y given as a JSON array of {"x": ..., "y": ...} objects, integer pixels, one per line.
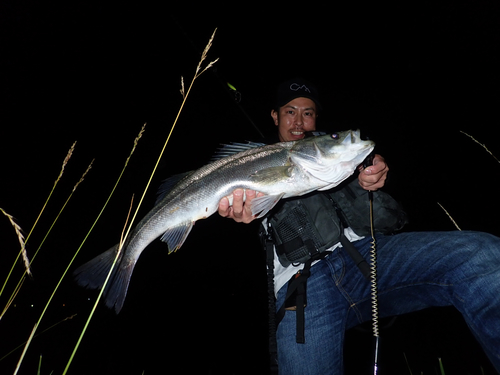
[{"x": 305, "y": 227}]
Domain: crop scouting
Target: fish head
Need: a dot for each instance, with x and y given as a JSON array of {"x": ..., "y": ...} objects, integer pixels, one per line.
[{"x": 331, "y": 158}]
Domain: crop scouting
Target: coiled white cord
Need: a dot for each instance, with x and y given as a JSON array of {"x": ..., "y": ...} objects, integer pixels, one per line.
[{"x": 373, "y": 284}]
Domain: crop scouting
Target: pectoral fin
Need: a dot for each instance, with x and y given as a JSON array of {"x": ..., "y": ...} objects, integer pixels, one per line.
[
  {"x": 175, "y": 237},
  {"x": 262, "y": 205},
  {"x": 272, "y": 175}
]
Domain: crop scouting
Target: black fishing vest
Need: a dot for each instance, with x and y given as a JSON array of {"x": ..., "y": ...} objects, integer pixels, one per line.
[{"x": 306, "y": 226}]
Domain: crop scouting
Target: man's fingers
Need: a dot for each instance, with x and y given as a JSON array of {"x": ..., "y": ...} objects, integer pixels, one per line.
[
  {"x": 238, "y": 203},
  {"x": 241, "y": 208},
  {"x": 224, "y": 207}
]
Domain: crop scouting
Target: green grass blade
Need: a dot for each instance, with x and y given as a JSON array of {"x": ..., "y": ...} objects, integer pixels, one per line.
[
  {"x": 199, "y": 71},
  {"x": 441, "y": 367},
  {"x": 65, "y": 162},
  {"x": 118, "y": 253},
  {"x": 407, "y": 364}
]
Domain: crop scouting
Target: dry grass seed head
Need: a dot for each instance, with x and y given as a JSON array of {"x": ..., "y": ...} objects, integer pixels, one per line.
[{"x": 20, "y": 238}]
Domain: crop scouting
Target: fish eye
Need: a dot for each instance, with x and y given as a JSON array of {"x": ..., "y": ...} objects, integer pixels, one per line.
[{"x": 335, "y": 136}]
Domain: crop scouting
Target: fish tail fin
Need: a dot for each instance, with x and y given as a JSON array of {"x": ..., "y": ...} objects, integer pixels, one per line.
[{"x": 93, "y": 274}]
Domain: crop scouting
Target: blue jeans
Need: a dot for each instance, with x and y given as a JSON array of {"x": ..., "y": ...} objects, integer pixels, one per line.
[{"x": 415, "y": 270}]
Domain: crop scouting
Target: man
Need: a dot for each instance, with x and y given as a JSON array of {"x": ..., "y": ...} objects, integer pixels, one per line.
[
  {"x": 414, "y": 270},
  {"x": 294, "y": 118}
]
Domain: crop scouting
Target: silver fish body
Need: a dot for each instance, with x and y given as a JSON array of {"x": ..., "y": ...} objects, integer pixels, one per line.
[{"x": 281, "y": 170}]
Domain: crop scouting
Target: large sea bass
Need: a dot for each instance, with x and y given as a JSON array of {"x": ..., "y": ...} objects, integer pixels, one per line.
[{"x": 280, "y": 170}]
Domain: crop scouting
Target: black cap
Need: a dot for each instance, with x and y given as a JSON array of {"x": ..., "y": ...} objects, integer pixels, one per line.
[{"x": 296, "y": 88}]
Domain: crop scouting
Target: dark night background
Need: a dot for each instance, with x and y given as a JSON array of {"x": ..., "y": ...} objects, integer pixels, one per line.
[{"x": 410, "y": 76}]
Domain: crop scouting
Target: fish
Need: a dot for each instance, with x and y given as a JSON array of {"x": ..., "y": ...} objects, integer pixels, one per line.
[{"x": 281, "y": 170}]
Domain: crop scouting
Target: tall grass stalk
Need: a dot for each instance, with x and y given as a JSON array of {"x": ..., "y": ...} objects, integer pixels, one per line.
[
  {"x": 20, "y": 282},
  {"x": 22, "y": 242},
  {"x": 69, "y": 265},
  {"x": 441, "y": 367},
  {"x": 62, "y": 277},
  {"x": 451, "y": 218},
  {"x": 198, "y": 73},
  {"x": 85, "y": 239},
  {"x": 35, "y": 336},
  {"x": 22, "y": 252},
  {"x": 25, "y": 348},
  {"x": 489, "y": 152},
  {"x": 481, "y": 144},
  {"x": 407, "y": 364},
  {"x": 20, "y": 238},
  {"x": 11, "y": 299}
]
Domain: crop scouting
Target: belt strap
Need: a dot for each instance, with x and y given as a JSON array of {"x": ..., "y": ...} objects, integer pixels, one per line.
[
  {"x": 355, "y": 256},
  {"x": 296, "y": 297}
]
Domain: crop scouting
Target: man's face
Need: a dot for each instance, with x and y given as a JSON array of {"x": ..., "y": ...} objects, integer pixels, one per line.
[{"x": 295, "y": 118}]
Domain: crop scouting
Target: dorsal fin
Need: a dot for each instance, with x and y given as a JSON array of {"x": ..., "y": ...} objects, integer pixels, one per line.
[
  {"x": 168, "y": 184},
  {"x": 233, "y": 148},
  {"x": 224, "y": 151}
]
